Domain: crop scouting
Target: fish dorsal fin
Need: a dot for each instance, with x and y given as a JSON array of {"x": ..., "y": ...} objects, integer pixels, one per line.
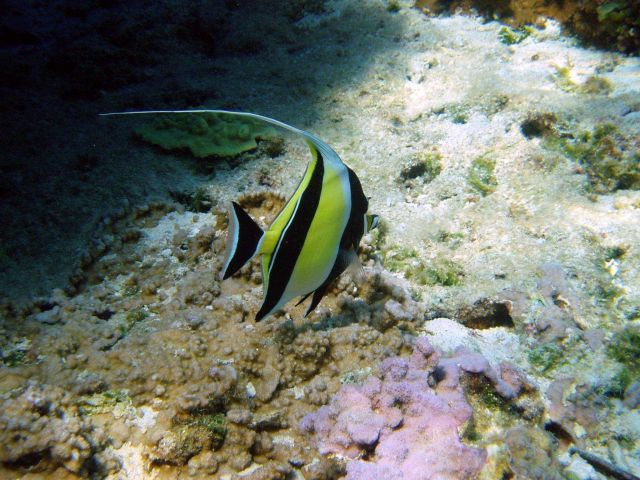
[{"x": 327, "y": 152}]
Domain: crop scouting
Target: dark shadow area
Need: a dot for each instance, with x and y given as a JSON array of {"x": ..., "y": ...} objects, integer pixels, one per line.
[
  {"x": 486, "y": 313},
  {"x": 63, "y": 168}
]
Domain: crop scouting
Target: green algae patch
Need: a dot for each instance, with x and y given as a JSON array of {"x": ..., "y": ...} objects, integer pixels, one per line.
[
  {"x": 111, "y": 401},
  {"x": 442, "y": 271},
  {"x": 481, "y": 175},
  {"x": 135, "y": 316},
  {"x": 625, "y": 347},
  {"x": 610, "y": 160},
  {"x": 214, "y": 423},
  {"x": 16, "y": 354},
  {"x": 540, "y": 124},
  {"x": 547, "y": 356},
  {"x": 426, "y": 166},
  {"x": 562, "y": 78},
  {"x": 130, "y": 319},
  {"x": 437, "y": 271},
  {"x": 511, "y": 36},
  {"x": 205, "y": 134},
  {"x": 617, "y": 385},
  {"x": 596, "y": 85}
]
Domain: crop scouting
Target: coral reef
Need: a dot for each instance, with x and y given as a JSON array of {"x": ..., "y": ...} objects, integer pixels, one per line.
[
  {"x": 502, "y": 161},
  {"x": 42, "y": 430},
  {"x": 397, "y": 426}
]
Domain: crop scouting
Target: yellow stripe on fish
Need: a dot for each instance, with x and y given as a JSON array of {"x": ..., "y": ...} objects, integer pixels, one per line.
[{"x": 315, "y": 236}]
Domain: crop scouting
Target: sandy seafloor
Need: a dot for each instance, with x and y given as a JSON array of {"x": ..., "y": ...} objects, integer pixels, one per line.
[{"x": 125, "y": 357}]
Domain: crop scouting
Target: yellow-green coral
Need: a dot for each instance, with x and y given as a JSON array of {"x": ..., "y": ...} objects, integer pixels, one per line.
[{"x": 205, "y": 134}]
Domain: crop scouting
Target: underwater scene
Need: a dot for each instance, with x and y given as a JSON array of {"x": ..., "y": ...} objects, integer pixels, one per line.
[{"x": 320, "y": 239}]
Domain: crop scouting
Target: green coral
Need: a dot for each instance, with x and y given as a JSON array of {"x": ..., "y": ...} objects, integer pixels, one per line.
[
  {"x": 205, "y": 134},
  {"x": 481, "y": 174},
  {"x": 511, "y": 36}
]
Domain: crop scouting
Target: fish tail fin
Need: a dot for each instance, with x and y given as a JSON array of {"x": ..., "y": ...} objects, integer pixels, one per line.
[{"x": 243, "y": 240}]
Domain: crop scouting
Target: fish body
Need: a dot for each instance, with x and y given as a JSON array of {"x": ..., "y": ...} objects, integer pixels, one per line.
[{"x": 312, "y": 240}]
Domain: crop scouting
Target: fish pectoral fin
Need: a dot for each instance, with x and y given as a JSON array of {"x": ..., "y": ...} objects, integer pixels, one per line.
[
  {"x": 243, "y": 240},
  {"x": 355, "y": 268}
]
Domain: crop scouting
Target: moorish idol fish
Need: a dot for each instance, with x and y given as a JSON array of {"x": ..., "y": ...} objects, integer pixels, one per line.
[{"x": 312, "y": 240}]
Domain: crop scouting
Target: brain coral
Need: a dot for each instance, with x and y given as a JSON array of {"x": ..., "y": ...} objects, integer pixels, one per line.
[
  {"x": 205, "y": 134},
  {"x": 399, "y": 428}
]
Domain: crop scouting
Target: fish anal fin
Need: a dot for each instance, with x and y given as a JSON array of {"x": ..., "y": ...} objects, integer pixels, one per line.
[
  {"x": 304, "y": 297},
  {"x": 317, "y": 296},
  {"x": 347, "y": 260},
  {"x": 243, "y": 241}
]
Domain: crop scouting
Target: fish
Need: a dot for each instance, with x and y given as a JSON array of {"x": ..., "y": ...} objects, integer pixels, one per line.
[{"x": 312, "y": 240}]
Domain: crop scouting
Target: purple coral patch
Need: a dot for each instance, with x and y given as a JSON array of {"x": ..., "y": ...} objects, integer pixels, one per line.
[{"x": 408, "y": 429}]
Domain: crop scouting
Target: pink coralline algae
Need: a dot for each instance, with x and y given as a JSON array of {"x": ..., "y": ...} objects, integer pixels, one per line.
[{"x": 399, "y": 428}]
